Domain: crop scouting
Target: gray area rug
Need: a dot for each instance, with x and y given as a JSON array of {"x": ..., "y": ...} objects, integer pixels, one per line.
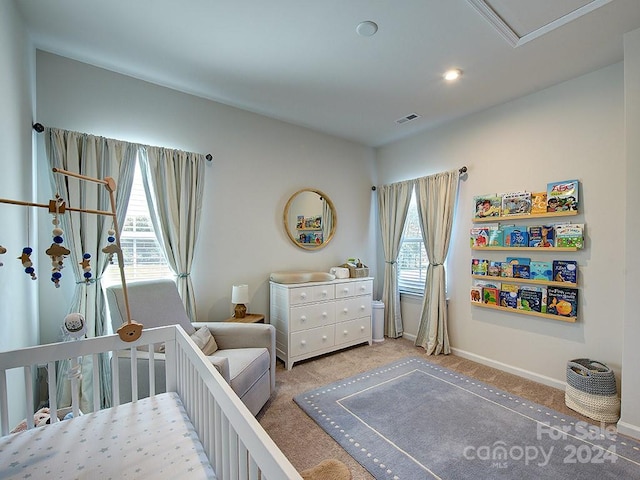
[{"x": 413, "y": 420}]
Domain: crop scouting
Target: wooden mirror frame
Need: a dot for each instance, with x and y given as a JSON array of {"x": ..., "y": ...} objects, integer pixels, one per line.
[{"x": 285, "y": 220}]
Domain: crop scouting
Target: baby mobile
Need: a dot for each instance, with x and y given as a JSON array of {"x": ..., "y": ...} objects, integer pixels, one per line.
[{"x": 57, "y": 251}]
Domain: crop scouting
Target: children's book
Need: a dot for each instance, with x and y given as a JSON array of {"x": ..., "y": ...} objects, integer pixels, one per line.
[
  {"x": 541, "y": 236},
  {"x": 538, "y": 202},
  {"x": 565, "y": 271},
  {"x": 508, "y": 299},
  {"x": 479, "y": 266},
  {"x": 490, "y": 295},
  {"x": 488, "y": 284},
  {"x": 532, "y": 298},
  {"x": 495, "y": 236},
  {"x": 487, "y": 205},
  {"x": 521, "y": 271},
  {"x": 563, "y": 301},
  {"x": 519, "y": 260},
  {"x": 479, "y": 236},
  {"x": 516, "y": 203},
  {"x": 476, "y": 294},
  {"x": 494, "y": 269},
  {"x": 506, "y": 234},
  {"x": 510, "y": 287},
  {"x": 570, "y": 235},
  {"x": 541, "y": 270},
  {"x": 562, "y": 196},
  {"x": 519, "y": 238},
  {"x": 506, "y": 270}
]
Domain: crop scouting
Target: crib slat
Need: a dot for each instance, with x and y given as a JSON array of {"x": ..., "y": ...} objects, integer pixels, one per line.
[
  {"x": 152, "y": 371},
  {"x": 115, "y": 379},
  {"x": 233, "y": 454},
  {"x": 28, "y": 390},
  {"x": 4, "y": 404},
  {"x": 75, "y": 375},
  {"x": 134, "y": 375},
  {"x": 53, "y": 390},
  {"x": 96, "y": 381}
]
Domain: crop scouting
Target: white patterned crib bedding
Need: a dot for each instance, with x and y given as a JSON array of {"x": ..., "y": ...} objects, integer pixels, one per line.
[{"x": 149, "y": 439}]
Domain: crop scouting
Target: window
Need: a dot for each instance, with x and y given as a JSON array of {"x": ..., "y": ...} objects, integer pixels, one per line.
[
  {"x": 143, "y": 258},
  {"x": 412, "y": 260}
]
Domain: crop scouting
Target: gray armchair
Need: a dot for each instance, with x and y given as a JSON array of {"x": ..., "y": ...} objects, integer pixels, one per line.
[{"x": 246, "y": 355}]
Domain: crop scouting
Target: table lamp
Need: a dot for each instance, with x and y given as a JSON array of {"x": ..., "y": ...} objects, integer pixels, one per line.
[{"x": 240, "y": 296}]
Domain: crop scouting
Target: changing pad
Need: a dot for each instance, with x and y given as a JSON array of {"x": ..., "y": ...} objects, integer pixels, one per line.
[{"x": 301, "y": 277}]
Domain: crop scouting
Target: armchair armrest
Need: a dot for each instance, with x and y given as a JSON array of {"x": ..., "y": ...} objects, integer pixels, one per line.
[{"x": 221, "y": 364}]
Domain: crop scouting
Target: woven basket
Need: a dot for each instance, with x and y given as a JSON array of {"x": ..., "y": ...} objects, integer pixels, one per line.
[
  {"x": 592, "y": 377},
  {"x": 603, "y": 408}
]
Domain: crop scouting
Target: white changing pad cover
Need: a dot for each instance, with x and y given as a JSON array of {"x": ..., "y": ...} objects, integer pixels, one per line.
[{"x": 150, "y": 439}]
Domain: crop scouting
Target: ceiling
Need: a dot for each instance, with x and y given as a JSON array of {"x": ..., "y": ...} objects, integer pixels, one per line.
[{"x": 303, "y": 62}]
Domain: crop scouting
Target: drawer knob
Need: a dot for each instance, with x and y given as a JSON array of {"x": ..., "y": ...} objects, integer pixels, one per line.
[
  {"x": 324, "y": 337},
  {"x": 362, "y": 307},
  {"x": 324, "y": 293},
  {"x": 346, "y": 310},
  {"x": 324, "y": 314},
  {"x": 346, "y": 332},
  {"x": 303, "y": 318},
  {"x": 346, "y": 290},
  {"x": 303, "y": 342},
  {"x": 362, "y": 328},
  {"x": 303, "y": 295},
  {"x": 363, "y": 288}
]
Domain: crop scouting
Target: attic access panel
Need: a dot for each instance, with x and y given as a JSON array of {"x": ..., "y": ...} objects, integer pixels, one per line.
[{"x": 520, "y": 21}]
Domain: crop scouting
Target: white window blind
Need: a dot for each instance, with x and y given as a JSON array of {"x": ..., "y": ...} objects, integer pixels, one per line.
[
  {"x": 412, "y": 261},
  {"x": 143, "y": 258}
]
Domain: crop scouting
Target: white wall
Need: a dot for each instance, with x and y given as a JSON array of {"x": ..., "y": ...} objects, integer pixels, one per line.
[
  {"x": 571, "y": 130},
  {"x": 18, "y": 305},
  {"x": 630, "y": 419},
  {"x": 259, "y": 163}
]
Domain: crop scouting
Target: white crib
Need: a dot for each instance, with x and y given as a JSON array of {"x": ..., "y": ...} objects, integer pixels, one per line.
[{"x": 235, "y": 445}]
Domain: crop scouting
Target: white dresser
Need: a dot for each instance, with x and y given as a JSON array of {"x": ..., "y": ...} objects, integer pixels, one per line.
[{"x": 319, "y": 317}]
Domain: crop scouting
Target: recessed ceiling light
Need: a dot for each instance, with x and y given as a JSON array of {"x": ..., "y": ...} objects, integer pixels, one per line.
[
  {"x": 367, "y": 28},
  {"x": 453, "y": 74}
]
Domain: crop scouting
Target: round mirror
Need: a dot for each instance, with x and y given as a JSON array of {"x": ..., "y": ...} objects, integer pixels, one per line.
[{"x": 310, "y": 219}]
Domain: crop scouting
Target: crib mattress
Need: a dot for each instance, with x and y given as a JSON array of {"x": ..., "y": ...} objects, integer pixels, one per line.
[{"x": 150, "y": 439}]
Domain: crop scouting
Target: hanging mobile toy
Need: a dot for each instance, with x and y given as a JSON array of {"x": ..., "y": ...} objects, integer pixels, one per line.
[
  {"x": 27, "y": 263},
  {"x": 2, "y": 250},
  {"x": 57, "y": 251},
  {"x": 86, "y": 267},
  {"x": 111, "y": 248}
]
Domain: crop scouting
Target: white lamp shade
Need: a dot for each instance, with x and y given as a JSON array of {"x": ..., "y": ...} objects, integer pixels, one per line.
[{"x": 240, "y": 294}]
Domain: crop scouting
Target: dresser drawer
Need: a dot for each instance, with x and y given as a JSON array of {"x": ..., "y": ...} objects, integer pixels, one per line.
[
  {"x": 363, "y": 288},
  {"x": 312, "y": 340},
  {"x": 353, "y": 330},
  {"x": 311, "y": 316},
  {"x": 350, "y": 308},
  {"x": 345, "y": 290},
  {"x": 301, "y": 295}
]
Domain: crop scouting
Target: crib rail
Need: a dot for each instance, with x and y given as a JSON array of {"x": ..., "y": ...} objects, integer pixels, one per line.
[{"x": 235, "y": 443}]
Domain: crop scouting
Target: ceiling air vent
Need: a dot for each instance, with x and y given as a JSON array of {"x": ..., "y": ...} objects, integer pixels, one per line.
[{"x": 408, "y": 118}]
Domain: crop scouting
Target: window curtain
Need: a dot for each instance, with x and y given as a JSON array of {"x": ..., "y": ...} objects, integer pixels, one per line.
[
  {"x": 174, "y": 183},
  {"x": 95, "y": 157},
  {"x": 436, "y": 198},
  {"x": 393, "y": 204}
]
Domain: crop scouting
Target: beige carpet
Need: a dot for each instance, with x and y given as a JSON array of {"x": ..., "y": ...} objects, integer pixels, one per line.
[{"x": 305, "y": 444}]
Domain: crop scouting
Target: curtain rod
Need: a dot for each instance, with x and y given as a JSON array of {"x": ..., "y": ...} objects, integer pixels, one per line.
[
  {"x": 461, "y": 170},
  {"x": 38, "y": 127}
]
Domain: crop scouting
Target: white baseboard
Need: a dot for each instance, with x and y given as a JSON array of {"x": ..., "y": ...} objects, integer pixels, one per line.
[
  {"x": 628, "y": 429},
  {"x": 536, "y": 377}
]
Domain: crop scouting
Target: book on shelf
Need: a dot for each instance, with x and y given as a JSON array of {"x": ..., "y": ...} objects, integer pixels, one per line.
[
  {"x": 563, "y": 196},
  {"x": 518, "y": 260},
  {"x": 508, "y": 299},
  {"x": 570, "y": 235},
  {"x": 510, "y": 287},
  {"x": 476, "y": 294},
  {"x": 538, "y": 203},
  {"x": 532, "y": 298},
  {"x": 487, "y": 205},
  {"x": 490, "y": 295},
  {"x": 565, "y": 271},
  {"x": 494, "y": 269},
  {"x": 540, "y": 270},
  {"x": 521, "y": 271},
  {"x": 516, "y": 203},
  {"x": 488, "y": 284},
  {"x": 479, "y": 266},
  {"x": 479, "y": 236},
  {"x": 519, "y": 238},
  {"x": 542, "y": 236},
  {"x": 563, "y": 301},
  {"x": 506, "y": 234}
]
